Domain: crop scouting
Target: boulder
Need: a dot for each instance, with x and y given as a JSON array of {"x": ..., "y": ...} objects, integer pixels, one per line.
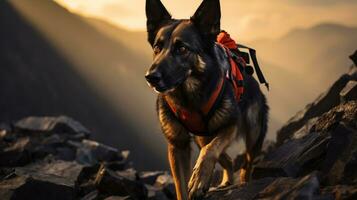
[
  {"x": 307, "y": 187},
  {"x": 165, "y": 183},
  {"x": 341, "y": 192},
  {"x": 322, "y": 104},
  {"x": 244, "y": 192},
  {"x": 55, "y": 169},
  {"x": 349, "y": 92},
  {"x": 149, "y": 177},
  {"x": 91, "y": 152},
  {"x": 16, "y": 153},
  {"x": 39, "y": 188},
  {"x": 294, "y": 158},
  {"x": 111, "y": 183},
  {"x": 328, "y": 146},
  {"x": 50, "y": 125}
]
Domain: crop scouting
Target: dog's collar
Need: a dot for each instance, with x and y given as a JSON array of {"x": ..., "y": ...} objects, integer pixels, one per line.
[{"x": 196, "y": 121}]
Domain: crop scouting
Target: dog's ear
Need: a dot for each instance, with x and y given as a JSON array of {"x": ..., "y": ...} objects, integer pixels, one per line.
[
  {"x": 207, "y": 18},
  {"x": 156, "y": 15}
]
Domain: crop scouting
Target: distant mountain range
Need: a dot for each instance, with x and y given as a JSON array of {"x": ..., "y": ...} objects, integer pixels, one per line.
[
  {"x": 302, "y": 63},
  {"x": 67, "y": 66}
]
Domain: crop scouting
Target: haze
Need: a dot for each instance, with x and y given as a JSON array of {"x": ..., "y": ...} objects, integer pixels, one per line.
[{"x": 247, "y": 20}]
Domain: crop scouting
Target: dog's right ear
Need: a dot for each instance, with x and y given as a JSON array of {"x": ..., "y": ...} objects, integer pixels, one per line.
[{"x": 156, "y": 15}]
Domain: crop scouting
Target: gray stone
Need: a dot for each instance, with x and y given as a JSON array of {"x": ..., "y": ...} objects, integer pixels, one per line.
[
  {"x": 150, "y": 177},
  {"x": 166, "y": 184},
  {"x": 349, "y": 92},
  {"x": 291, "y": 158},
  {"x": 57, "y": 171},
  {"x": 111, "y": 183},
  {"x": 287, "y": 188},
  {"x": 91, "y": 152},
  {"x": 322, "y": 104},
  {"x": 50, "y": 124},
  {"x": 36, "y": 187},
  {"x": 17, "y": 153}
]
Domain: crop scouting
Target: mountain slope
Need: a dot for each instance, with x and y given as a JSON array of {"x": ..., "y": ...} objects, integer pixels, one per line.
[
  {"x": 302, "y": 50},
  {"x": 302, "y": 63},
  {"x": 65, "y": 66},
  {"x": 134, "y": 40}
]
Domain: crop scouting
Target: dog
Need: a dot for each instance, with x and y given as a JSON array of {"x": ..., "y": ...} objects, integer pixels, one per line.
[{"x": 187, "y": 67}]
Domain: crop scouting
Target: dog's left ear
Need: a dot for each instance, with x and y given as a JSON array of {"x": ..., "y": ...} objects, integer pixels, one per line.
[
  {"x": 207, "y": 18},
  {"x": 156, "y": 15}
]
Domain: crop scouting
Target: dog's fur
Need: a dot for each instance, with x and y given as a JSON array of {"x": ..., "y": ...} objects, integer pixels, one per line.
[{"x": 186, "y": 69}]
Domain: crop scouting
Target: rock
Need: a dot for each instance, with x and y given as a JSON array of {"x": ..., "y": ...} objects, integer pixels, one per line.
[
  {"x": 244, "y": 192},
  {"x": 4, "y": 129},
  {"x": 17, "y": 153},
  {"x": 148, "y": 177},
  {"x": 339, "y": 151},
  {"x": 345, "y": 113},
  {"x": 52, "y": 168},
  {"x": 91, "y": 196},
  {"x": 50, "y": 124},
  {"x": 350, "y": 172},
  {"x": 36, "y": 187},
  {"x": 111, "y": 183},
  {"x": 287, "y": 188},
  {"x": 91, "y": 152},
  {"x": 307, "y": 187},
  {"x": 166, "y": 184},
  {"x": 85, "y": 181},
  {"x": 349, "y": 92},
  {"x": 155, "y": 193},
  {"x": 328, "y": 146},
  {"x": 341, "y": 192},
  {"x": 322, "y": 104},
  {"x": 353, "y": 57},
  {"x": 294, "y": 158},
  {"x": 118, "y": 198}
]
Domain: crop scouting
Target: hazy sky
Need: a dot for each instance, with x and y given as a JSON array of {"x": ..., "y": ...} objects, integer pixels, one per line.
[{"x": 247, "y": 19}]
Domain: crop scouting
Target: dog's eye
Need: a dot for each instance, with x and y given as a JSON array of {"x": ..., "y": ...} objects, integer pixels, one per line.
[{"x": 157, "y": 49}]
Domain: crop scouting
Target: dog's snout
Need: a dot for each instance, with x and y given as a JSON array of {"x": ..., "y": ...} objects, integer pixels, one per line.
[{"x": 153, "y": 77}]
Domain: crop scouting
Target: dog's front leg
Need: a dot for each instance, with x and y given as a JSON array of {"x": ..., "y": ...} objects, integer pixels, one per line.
[
  {"x": 209, "y": 154},
  {"x": 179, "y": 158}
]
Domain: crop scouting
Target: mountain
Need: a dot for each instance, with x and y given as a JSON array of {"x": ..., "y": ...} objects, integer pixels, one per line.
[
  {"x": 53, "y": 62},
  {"x": 301, "y": 63},
  {"x": 301, "y": 50},
  {"x": 134, "y": 40}
]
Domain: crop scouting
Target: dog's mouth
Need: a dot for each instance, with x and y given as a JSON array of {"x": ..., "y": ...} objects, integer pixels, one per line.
[{"x": 162, "y": 87}]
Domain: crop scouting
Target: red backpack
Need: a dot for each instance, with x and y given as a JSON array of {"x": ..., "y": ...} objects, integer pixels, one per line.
[{"x": 196, "y": 121}]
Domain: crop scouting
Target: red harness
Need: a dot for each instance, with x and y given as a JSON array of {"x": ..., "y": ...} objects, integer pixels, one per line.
[{"x": 196, "y": 121}]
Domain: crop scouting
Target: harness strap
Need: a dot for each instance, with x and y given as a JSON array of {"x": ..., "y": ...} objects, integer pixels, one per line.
[
  {"x": 257, "y": 69},
  {"x": 193, "y": 120}
]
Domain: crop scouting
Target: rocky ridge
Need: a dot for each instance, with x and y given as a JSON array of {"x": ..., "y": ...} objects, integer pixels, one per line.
[
  {"x": 314, "y": 157},
  {"x": 54, "y": 158}
]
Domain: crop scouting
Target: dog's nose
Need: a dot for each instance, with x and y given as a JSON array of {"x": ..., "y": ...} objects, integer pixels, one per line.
[{"x": 153, "y": 77}]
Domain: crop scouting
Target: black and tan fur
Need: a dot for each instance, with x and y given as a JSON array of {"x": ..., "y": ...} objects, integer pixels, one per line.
[{"x": 187, "y": 66}]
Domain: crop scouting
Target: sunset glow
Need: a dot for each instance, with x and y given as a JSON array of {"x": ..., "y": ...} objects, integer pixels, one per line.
[{"x": 245, "y": 19}]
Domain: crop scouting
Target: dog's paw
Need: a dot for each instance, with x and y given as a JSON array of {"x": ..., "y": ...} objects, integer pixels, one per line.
[{"x": 201, "y": 177}]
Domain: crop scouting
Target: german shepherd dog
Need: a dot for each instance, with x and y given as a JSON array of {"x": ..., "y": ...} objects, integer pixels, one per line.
[{"x": 187, "y": 66}]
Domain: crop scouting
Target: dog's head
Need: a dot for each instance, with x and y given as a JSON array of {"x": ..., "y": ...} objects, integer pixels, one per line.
[{"x": 180, "y": 47}]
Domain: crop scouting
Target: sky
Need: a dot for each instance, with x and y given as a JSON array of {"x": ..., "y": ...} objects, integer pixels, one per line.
[{"x": 246, "y": 19}]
